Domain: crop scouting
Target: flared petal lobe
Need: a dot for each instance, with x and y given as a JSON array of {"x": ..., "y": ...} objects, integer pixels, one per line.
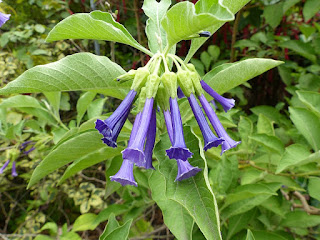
[
  {"x": 179, "y": 149},
  {"x": 107, "y": 126},
  {"x": 125, "y": 175},
  {"x": 13, "y": 170},
  {"x": 151, "y": 137},
  {"x": 134, "y": 152},
  {"x": 4, "y": 18},
  {"x": 5, "y": 165},
  {"x": 221, "y": 132},
  {"x": 186, "y": 170},
  {"x": 226, "y": 103},
  {"x": 210, "y": 140}
]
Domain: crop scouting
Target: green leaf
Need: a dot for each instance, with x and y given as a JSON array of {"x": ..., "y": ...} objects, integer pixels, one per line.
[
  {"x": 51, "y": 226},
  {"x": 70, "y": 150},
  {"x": 314, "y": 187},
  {"x": 43, "y": 237},
  {"x": 184, "y": 20},
  {"x": 121, "y": 232},
  {"x": 272, "y": 143},
  {"x": 96, "y": 107},
  {"x": 226, "y": 79},
  {"x": 250, "y": 235},
  {"x": 111, "y": 226},
  {"x": 300, "y": 219},
  {"x": 308, "y": 125},
  {"x": 234, "y": 6},
  {"x": 81, "y": 71},
  {"x": 239, "y": 222},
  {"x": 310, "y": 99},
  {"x": 83, "y": 103},
  {"x": 70, "y": 236},
  {"x": 193, "y": 194},
  {"x": 310, "y": 8},
  {"x": 273, "y": 14},
  {"x": 85, "y": 222},
  {"x": 293, "y": 154},
  {"x": 20, "y": 101},
  {"x": 264, "y": 235},
  {"x": 246, "y": 197},
  {"x": 89, "y": 159},
  {"x": 54, "y": 99},
  {"x": 155, "y": 11},
  {"x": 95, "y": 25},
  {"x": 264, "y": 125},
  {"x": 301, "y": 48}
]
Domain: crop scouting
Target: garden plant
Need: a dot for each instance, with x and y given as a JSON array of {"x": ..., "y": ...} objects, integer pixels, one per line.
[{"x": 146, "y": 127}]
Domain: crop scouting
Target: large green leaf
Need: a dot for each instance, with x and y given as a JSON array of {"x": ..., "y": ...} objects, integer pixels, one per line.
[
  {"x": 81, "y": 71},
  {"x": 237, "y": 73},
  {"x": 95, "y": 25},
  {"x": 111, "y": 226},
  {"x": 193, "y": 194},
  {"x": 308, "y": 125},
  {"x": 311, "y": 100},
  {"x": 155, "y": 32},
  {"x": 20, "y": 101},
  {"x": 184, "y": 20},
  {"x": 272, "y": 143},
  {"x": 301, "y": 48},
  {"x": 121, "y": 232},
  {"x": 314, "y": 187},
  {"x": 233, "y": 5},
  {"x": 300, "y": 219},
  {"x": 273, "y": 14},
  {"x": 77, "y": 147},
  {"x": 310, "y": 8}
]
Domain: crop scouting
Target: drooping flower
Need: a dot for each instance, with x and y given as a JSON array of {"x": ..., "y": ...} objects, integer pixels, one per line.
[
  {"x": 151, "y": 137},
  {"x": 221, "y": 132},
  {"x": 180, "y": 93},
  {"x": 210, "y": 140},
  {"x": 5, "y": 165},
  {"x": 111, "y": 127},
  {"x": 125, "y": 175},
  {"x": 3, "y": 17},
  {"x": 226, "y": 103},
  {"x": 135, "y": 152},
  {"x": 13, "y": 170},
  {"x": 179, "y": 149},
  {"x": 186, "y": 170}
]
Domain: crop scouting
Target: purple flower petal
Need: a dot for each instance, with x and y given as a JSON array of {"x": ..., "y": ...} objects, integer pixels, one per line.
[
  {"x": 111, "y": 141},
  {"x": 210, "y": 140},
  {"x": 226, "y": 103},
  {"x": 5, "y": 165},
  {"x": 179, "y": 149},
  {"x": 180, "y": 93},
  {"x": 125, "y": 175},
  {"x": 13, "y": 170},
  {"x": 4, "y": 18},
  {"x": 134, "y": 151},
  {"x": 186, "y": 170},
  {"x": 107, "y": 126},
  {"x": 29, "y": 151},
  {"x": 151, "y": 137},
  {"x": 167, "y": 119},
  {"x": 221, "y": 132}
]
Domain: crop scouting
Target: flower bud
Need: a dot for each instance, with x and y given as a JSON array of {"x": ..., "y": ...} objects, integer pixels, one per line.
[
  {"x": 169, "y": 80},
  {"x": 140, "y": 78},
  {"x": 185, "y": 82}
]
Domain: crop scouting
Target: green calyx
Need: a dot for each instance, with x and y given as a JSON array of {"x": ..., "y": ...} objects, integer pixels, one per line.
[
  {"x": 152, "y": 85},
  {"x": 185, "y": 82},
  {"x": 169, "y": 81},
  {"x": 163, "y": 98},
  {"x": 141, "y": 99},
  {"x": 195, "y": 78},
  {"x": 127, "y": 76},
  {"x": 140, "y": 78}
]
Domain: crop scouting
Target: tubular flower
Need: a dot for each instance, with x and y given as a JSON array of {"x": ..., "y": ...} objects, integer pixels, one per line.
[
  {"x": 226, "y": 103},
  {"x": 151, "y": 137},
  {"x": 5, "y": 165},
  {"x": 13, "y": 170},
  {"x": 221, "y": 132},
  {"x": 3, "y": 17},
  {"x": 210, "y": 140},
  {"x": 179, "y": 149},
  {"x": 156, "y": 87}
]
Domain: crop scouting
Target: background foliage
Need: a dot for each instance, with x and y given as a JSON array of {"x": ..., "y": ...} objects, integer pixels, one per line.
[{"x": 269, "y": 184}]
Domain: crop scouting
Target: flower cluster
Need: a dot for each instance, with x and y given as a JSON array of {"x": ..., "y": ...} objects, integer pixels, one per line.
[
  {"x": 3, "y": 17},
  {"x": 155, "y": 85}
]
